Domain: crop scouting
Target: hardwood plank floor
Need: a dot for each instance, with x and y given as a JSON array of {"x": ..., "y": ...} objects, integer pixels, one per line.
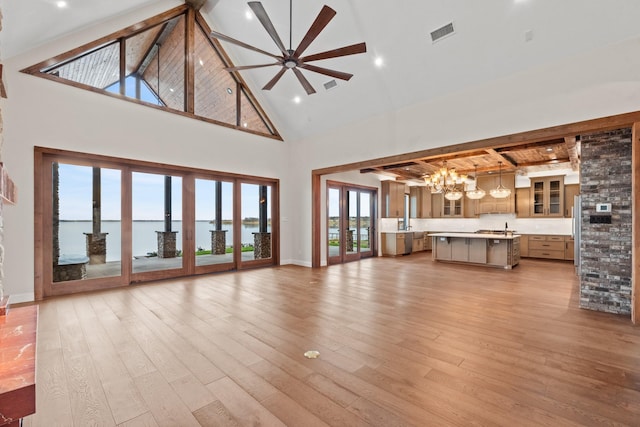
[{"x": 402, "y": 341}]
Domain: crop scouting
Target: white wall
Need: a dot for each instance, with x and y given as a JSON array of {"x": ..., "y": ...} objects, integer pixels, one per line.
[{"x": 48, "y": 114}]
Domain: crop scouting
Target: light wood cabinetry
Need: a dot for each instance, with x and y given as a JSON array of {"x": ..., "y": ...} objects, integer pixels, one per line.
[
  {"x": 523, "y": 202},
  {"x": 569, "y": 253},
  {"x": 393, "y": 244},
  {"x": 524, "y": 246},
  {"x": 418, "y": 241},
  {"x": 419, "y": 202},
  {"x": 569, "y": 192},
  {"x": 495, "y": 251},
  {"x": 490, "y": 205},
  {"x": 392, "y": 199},
  {"x": 547, "y": 196},
  {"x": 436, "y": 205},
  {"x": 452, "y": 208},
  {"x": 547, "y": 246}
]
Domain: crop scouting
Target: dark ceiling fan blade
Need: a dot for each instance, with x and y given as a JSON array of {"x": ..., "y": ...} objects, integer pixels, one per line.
[
  {"x": 335, "y": 53},
  {"x": 323, "y": 18},
  {"x": 303, "y": 81},
  {"x": 249, "y": 67},
  {"x": 262, "y": 16},
  {"x": 326, "y": 71},
  {"x": 274, "y": 80},
  {"x": 217, "y": 35}
]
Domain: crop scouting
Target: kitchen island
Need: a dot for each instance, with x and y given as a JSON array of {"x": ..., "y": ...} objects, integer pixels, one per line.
[{"x": 491, "y": 249}]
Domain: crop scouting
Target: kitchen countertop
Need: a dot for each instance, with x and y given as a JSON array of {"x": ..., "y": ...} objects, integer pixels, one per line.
[{"x": 477, "y": 235}]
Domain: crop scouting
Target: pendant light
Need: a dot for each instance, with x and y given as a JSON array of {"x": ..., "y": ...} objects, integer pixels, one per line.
[
  {"x": 500, "y": 192},
  {"x": 478, "y": 193}
]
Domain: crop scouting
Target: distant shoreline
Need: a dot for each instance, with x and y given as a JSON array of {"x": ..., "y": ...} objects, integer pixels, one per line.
[{"x": 224, "y": 221}]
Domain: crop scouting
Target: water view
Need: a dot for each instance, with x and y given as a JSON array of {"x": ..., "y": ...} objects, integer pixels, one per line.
[{"x": 73, "y": 241}]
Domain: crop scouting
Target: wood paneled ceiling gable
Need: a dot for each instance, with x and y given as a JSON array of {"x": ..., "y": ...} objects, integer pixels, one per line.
[
  {"x": 521, "y": 157},
  {"x": 167, "y": 62}
]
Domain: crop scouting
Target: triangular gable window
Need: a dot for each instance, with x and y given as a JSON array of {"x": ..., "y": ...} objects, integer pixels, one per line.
[{"x": 166, "y": 62}]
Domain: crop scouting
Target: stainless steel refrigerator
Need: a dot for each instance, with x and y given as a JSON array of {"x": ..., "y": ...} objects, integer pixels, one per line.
[{"x": 576, "y": 226}]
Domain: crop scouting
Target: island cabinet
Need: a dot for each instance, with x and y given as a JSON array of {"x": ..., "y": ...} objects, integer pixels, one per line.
[
  {"x": 547, "y": 197},
  {"x": 392, "y": 199},
  {"x": 469, "y": 250},
  {"x": 419, "y": 202},
  {"x": 569, "y": 192},
  {"x": 490, "y": 205}
]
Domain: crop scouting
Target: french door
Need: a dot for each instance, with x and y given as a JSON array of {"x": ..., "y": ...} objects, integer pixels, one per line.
[
  {"x": 103, "y": 222},
  {"x": 351, "y": 213}
]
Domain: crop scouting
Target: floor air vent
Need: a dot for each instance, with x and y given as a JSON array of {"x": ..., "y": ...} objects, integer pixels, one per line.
[{"x": 442, "y": 32}]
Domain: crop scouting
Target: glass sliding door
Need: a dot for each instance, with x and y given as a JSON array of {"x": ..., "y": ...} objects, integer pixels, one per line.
[
  {"x": 156, "y": 222},
  {"x": 85, "y": 222},
  {"x": 103, "y": 222},
  {"x": 213, "y": 243},
  {"x": 350, "y": 222},
  {"x": 256, "y": 238},
  {"x": 334, "y": 240}
]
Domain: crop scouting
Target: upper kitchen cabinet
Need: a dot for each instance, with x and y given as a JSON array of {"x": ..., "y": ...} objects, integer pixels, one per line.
[
  {"x": 419, "y": 202},
  {"x": 392, "y": 199},
  {"x": 569, "y": 192},
  {"x": 523, "y": 200},
  {"x": 490, "y": 205},
  {"x": 547, "y": 196},
  {"x": 452, "y": 208}
]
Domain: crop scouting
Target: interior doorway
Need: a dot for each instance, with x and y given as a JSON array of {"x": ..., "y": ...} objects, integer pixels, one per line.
[{"x": 351, "y": 224}]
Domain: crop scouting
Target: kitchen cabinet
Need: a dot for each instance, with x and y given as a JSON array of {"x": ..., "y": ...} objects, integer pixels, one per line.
[
  {"x": 569, "y": 192},
  {"x": 569, "y": 253},
  {"x": 392, "y": 199},
  {"x": 394, "y": 244},
  {"x": 477, "y": 248},
  {"x": 419, "y": 202},
  {"x": 547, "y": 246},
  {"x": 524, "y": 245},
  {"x": 470, "y": 208},
  {"x": 436, "y": 205},
  {"x": 418, "y": 241},
  {"x": 523, "y": 206},
  {"x": 547, "y": 196},
  {"x": 452, "y": 208},
  {"x": 490, "y": 205}
]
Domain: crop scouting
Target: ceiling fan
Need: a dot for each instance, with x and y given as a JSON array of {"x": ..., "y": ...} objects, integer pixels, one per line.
[{"x": 292, "y": 59}]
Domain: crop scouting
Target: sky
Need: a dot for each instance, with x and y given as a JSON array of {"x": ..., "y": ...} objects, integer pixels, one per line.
[{"x": 75, "y": 191}]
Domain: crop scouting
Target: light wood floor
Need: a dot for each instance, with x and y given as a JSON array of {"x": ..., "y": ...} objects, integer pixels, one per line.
[{"x": 402, "y": 342}]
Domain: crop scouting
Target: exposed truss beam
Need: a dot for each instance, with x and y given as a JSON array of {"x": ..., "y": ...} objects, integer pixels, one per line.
[{"x": 195, "y": 4}]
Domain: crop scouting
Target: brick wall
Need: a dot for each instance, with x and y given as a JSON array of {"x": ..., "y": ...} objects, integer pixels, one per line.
[{"x": 605, "y": 177}]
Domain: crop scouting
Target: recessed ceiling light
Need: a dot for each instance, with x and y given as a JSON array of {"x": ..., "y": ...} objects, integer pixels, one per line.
[
  {"x": 379, "y": 62},
  {"x": 245, "y": 124},
  {"x": 62, "y": 4},
  {"x": 229, "y": 90},
  {"x": 171, "y": 89},
  {"x": 249, "y": 15},
  {"x": 549, "y": 150},
  {"x": 297, "y": 100},
  {"x": 201, "y": 62}
]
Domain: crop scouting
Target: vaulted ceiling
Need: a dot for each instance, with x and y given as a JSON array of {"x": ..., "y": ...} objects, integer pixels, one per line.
[{"x": 492, "y": 40}]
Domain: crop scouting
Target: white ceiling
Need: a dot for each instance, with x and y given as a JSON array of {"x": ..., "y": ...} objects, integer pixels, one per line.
[{"x": 489, "y": 44}]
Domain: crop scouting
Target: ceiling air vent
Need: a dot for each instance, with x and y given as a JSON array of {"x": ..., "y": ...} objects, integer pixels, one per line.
[
  {"x": 442, "y": 32},
  {"x": 330, "y": 84}
]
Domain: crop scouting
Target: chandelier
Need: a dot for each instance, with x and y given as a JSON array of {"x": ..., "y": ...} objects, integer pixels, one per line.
[
  {"x": 446, "y": 181},
  {"x": 478, "y": 193},
  {"x": 500, "y": 192}
]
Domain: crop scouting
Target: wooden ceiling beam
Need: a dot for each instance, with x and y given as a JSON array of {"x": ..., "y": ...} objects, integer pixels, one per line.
[
  {"x": 572, "y": 149},
  {"x": 533, "y": 145},
  {"x": 509, "y": 164}
]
